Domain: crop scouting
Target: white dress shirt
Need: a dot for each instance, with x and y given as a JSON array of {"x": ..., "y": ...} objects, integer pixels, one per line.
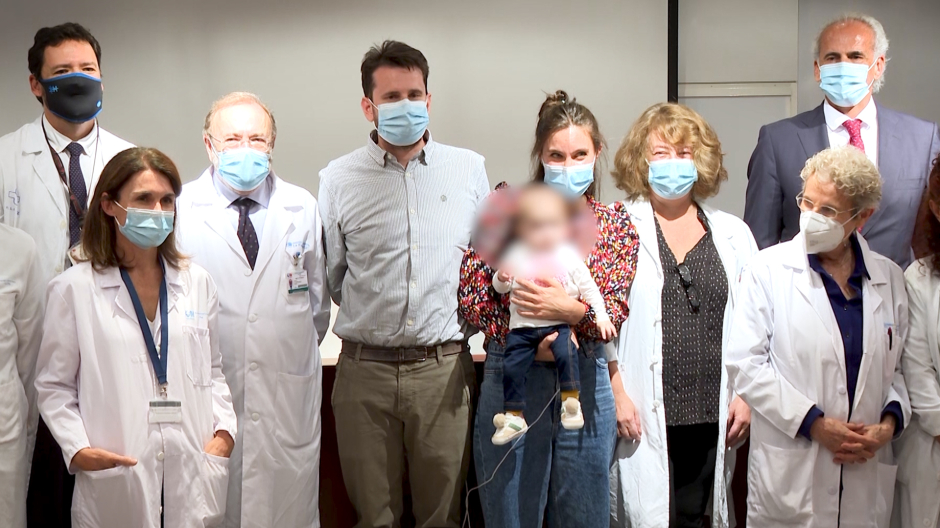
[
  {"x": 87, "y": 160},
  {"x": 258, "y": 211},
  {"x": 839, "y": 136},
  {"x": 395, "y": 237}
]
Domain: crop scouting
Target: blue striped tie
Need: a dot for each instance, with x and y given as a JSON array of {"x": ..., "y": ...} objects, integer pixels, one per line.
[{"x": 77, "y": 186}]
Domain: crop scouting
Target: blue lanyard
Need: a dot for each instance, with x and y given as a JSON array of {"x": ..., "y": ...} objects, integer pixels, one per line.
[{"x": 158, "y": 361}]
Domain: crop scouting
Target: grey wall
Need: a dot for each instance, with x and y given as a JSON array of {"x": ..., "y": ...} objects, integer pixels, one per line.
[
  {"x": 491, "y": 62},
  {"x": 912, "y": 82}
]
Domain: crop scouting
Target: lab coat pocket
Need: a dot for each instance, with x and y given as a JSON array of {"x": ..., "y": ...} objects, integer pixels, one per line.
[
  {"x": 200, "y": 355},
  {"x": 780, "y": 480},
  {"x": 111, "y": 497},
  {"x": 12, "y": 416},
  {"x": 887, "y": 478},
  {"x": 294, "y": 409},
  {"x": 216, "y": 488}
]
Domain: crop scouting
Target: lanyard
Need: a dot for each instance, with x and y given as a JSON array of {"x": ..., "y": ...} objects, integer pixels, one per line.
[
  {"x": 77, "y": 206},
  {"x": 158, "y": 361}
]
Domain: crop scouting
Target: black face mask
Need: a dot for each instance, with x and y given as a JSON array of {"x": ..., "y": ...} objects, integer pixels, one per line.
[{"x": 75, "y": 97}]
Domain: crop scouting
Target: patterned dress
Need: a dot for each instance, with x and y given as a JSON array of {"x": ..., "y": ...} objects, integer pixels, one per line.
[{"x": 612, "y": 263}]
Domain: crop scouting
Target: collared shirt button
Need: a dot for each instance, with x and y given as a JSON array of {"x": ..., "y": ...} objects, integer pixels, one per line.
[
  {"x": 253, "y": 366},
  {"x": 255, "y": 417},
  {"x": 252, "y": 318},
  {"x": 160, "y": 455},
  {"x": 841, "y": 390},
  {"x": 414, "y": 284},
  {"x": 62, "y": 224},
  {"x": 413, "y": 210},
  {"x": 248, "y": 273},
  {"x": 414, "y": 246},
  {"x": 656, "y": 404},
  {"x": 408, "y": 174},
  {"x": 411, "y": 322}
]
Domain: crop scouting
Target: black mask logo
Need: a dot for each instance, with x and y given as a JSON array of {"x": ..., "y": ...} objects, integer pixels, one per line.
[{"x": 75, "y": 97}]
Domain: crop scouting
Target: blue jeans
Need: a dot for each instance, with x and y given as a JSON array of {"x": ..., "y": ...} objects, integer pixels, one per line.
[
  {"x": 521, "y": 346},
  {"x": 551, "y": 471}
]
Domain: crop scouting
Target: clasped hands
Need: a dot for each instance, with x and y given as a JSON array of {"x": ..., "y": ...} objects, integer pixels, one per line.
[
  {"x": 852, "y": 443},
  {"x": 95, "y": 459}
]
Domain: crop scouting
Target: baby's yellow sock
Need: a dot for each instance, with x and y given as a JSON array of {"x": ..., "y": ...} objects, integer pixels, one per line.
[
  {"x": 565, "y": 394},
  {"x": 515, "y": 413}
]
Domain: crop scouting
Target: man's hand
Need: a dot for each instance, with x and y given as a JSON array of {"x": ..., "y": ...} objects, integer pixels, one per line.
[
  {"x": 739, "y": 422},
  {"x": 94, "y": 459},
  {"x": 844, "y": 440},
  {"x": 607, "y": 329},
  {"x": 221, "y": 445}
]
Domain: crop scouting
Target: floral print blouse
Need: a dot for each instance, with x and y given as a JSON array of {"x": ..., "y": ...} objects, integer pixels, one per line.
[{"x": 612, "y": 264}]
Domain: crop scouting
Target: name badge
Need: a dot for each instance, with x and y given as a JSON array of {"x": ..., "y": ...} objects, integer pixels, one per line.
[
  {"x": 166, "y": 411},
  {"x": 297, "y": 281}
]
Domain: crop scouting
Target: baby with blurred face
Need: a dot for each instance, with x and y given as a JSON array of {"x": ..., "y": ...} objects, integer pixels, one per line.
[{"x": 543, "y": 250}]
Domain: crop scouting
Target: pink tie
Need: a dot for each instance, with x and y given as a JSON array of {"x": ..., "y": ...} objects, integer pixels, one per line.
[{"x": 854, "y": 126}]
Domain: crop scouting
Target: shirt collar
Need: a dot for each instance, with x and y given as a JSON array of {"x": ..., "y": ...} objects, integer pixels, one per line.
[
  {"x": 59, "y": 141},
  {"x": 381, "y": 157},
  {"x": 261, "y": 195},
  {"x": 858, "y": 272},
  {"x": 835, "y": 118}
]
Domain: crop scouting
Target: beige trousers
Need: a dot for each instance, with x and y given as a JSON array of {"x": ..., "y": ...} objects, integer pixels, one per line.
[{"x": 392, "y": 414}]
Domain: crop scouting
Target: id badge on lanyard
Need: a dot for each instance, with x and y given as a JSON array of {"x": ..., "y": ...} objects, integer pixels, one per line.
[
  {"x": 297, "y": 276},
  {"x": 162, "y": 409}
]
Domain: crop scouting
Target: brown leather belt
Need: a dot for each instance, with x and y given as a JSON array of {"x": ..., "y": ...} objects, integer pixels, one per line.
[{"x": 402, "y": 354}]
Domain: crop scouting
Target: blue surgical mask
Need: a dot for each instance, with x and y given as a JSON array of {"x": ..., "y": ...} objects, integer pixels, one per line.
[
  {"x": 146, "y": 228},
  {"x": 402, "y": 123},
  {"x": 243, "y": 168},
  {"x": 672, "y": 178},
  {"x": 571, "y": 181},
  {"x": 845, "y": 83}
]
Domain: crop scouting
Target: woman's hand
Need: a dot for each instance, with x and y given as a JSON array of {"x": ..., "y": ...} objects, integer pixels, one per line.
[
  {"x": 628, "y": 419},
  {"x": 544, "y": 351},
  {"x": 221, "y": 445},
  {"x": 94, "y": 459},
  {"x": 739, "y": 422},
  {"x": 548, "y": 302}
]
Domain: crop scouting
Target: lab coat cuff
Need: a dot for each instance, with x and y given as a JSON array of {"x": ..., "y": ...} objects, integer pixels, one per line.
[
  {"x": 894, "y": 408},
  {"x": 807, "y": 424},
  {"x": 68, "y": 453}
]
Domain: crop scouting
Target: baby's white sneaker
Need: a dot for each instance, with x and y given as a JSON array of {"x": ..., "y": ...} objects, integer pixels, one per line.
[
  {"x": 571, "y": 417},
  {"x": 508, "y": 427}
]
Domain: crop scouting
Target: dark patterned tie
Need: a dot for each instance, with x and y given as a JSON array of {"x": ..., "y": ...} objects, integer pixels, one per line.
[
  {"x": 246, "y": 230},
  {"x": 77, "y": 186}
]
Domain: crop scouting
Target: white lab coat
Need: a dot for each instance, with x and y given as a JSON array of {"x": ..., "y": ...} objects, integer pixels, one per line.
[
  {"x": 785, "y": 355},
  {"x": 640, "y": 478},
  {"x": 918, "y": 491},
  {"x": 20, "y": 334},
  {"x": 270, "y": 346},
  {"x": 33, "y": 196},
  {"x": 95, "y": 382}
]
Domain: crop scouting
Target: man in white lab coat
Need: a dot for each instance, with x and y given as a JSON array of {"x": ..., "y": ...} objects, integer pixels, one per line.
[
  {"x": 21, "y": 297},
  {"x": 48, "y": 171},
  {"x": 260, "y": 239}
]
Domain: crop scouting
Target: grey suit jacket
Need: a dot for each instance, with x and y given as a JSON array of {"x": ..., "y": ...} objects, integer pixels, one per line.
[{"x": 907, "y": 147}]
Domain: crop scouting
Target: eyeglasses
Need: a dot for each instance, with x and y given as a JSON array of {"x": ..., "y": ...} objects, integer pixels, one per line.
[
  {"x": 691, "y": 292},
  {"x": 806, "y": 204},
  {"x": 257, "y": 143}
]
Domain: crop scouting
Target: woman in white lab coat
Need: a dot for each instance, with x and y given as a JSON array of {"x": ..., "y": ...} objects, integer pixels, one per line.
[
  {"x": 20, "y": 333},
  {"x": 674, "y": 454},
  {"x": 918, "y": 449},
  {"x": 818, "y": 331},
  {"x": 129, "y": 377}
]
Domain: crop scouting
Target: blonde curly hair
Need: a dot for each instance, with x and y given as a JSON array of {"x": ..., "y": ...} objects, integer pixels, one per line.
[
  {"x": 853, "y": 174},
  {"x": 679, "y": 126}
]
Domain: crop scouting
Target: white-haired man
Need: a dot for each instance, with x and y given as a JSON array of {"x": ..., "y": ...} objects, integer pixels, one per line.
[
  {"x": 260, "y": 238},
  {"x": 850, "y": 58}
]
